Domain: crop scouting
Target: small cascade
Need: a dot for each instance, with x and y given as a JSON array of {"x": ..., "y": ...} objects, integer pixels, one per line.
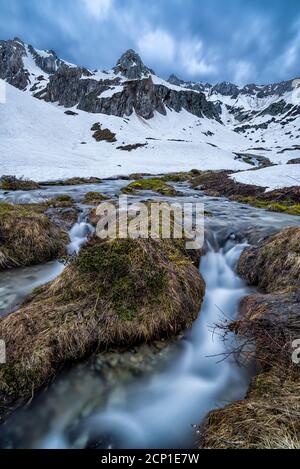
[{"x": 80, "y": 233}]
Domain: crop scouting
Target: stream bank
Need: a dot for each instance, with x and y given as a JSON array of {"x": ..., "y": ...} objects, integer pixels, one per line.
[{"x": 110, "y": 403}]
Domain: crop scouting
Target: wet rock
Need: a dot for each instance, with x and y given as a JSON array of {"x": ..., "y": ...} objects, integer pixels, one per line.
[{"x": 63, "y": 218}]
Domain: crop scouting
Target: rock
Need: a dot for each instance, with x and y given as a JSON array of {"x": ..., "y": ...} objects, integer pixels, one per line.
[
  {"x": 64, "y": 218},
  {"x": 11, "y": 63},
  {"x": 71, "y": 113},
  {"x": 115, "y": 293},
  {"x": 28, "y": 237},
  {"x": 101, "y": 135},
  {"x": 275, "y": 263},
  {"x": 134, "y": 146},
  {"x": 130, "y": 65},
  {"x": 48, "y": 63},
  {"x": 294, "y": 161}
]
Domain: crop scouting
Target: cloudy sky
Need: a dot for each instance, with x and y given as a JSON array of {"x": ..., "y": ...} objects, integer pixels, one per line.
[{"x": 242, "y": 41}]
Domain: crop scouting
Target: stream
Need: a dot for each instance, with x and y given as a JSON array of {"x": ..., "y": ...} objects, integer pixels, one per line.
[{"x": 105, "y": 406}]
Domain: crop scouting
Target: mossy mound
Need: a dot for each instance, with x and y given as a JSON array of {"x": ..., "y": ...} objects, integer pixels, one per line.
[
  {"x": 286, "y": 206},
  {"x": 28, "y": 237},
  {"x": 94, "y": 198},
  {"x": 220, "y": 184},
  {"x": 151, "y": 184},
  {"x": 61, "y": 201},
  {"x": 275, "y": 263},
  {"x": 11, "y": 183},
  {"x": 115, "y": 293},
  {"x": 75, "y": 181},
  {"x": 180, "y": 177}
]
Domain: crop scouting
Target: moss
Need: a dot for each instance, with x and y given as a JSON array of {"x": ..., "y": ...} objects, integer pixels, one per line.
[
  {"x": 151, "y": 184},
  {"x": 284, "y": 206},
  {"x": 11, "y": 183},
  {"x": 93, "y": 198},
  {"x": 61, "y": 201},
  {"x": 117, "y": 274}
]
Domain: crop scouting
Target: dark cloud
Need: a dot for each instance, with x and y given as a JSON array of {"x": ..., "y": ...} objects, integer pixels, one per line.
[{"x": 234, "y": 40}]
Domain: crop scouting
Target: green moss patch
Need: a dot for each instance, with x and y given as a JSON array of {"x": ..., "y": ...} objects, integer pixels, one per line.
[
  {"x": 285, "y": 206},
  {"x": 94, "y": 198},
  {"x": 151, "y": 184}
]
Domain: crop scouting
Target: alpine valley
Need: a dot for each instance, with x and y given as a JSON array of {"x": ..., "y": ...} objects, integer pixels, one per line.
[{"x": 141, "y": 123}]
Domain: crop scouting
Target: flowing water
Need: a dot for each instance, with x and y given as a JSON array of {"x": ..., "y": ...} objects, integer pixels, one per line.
[{"x": 159, "y": 409}]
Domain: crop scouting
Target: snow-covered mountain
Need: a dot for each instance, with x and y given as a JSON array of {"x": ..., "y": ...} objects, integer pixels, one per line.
[{"x": 52, "y": 107}]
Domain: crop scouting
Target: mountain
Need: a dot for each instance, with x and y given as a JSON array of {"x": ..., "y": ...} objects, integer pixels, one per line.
[{"x": 171, "y": 125}]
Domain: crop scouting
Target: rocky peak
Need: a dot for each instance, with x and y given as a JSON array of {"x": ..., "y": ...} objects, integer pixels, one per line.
[
  {"x": 45, "y": 60},
  {"x": 226, "y": 89},
  {"x": 131, "y": 66},
  {"x": 174, "y": 80},
  {"x": 11, "y": 63}
]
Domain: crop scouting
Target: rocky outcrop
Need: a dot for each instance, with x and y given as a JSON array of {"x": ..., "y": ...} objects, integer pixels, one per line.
[
  {"x": 48, "y": 62},
  {"x": 69, "y": 87},
  {"x": 115, "y": 293},
  {"x": 72, "y": 86},
  {"x": 11, "y": 63}
]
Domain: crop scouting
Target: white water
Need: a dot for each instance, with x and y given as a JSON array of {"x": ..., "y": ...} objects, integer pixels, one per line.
[
  {"x": 160, "y": 412},
  {"x": 79, "y": 234}
]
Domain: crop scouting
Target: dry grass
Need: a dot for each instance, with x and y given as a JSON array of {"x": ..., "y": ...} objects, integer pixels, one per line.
[
  {"x": 11, "y": 183},
  {"x": 268, "y": 418},
  {"x": 275, "y": 264},
  {"x": 28, "y": 237},
  {"x": 114, "y": 293}
]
